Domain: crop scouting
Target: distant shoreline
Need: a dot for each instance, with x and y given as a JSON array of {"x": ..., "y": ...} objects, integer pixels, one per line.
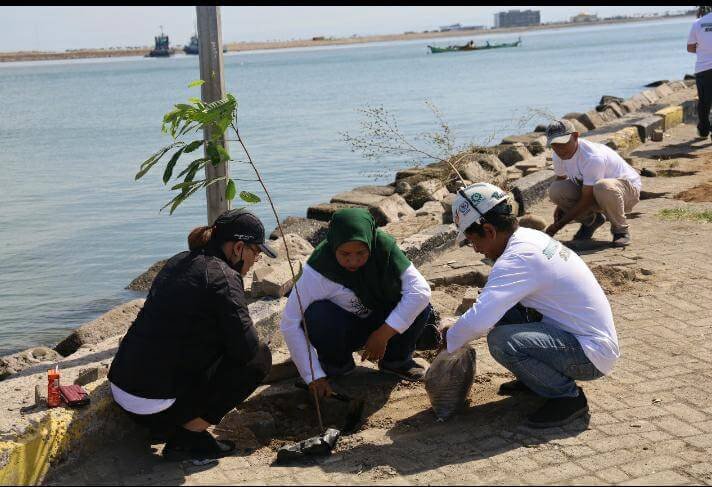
[{"x": 261, "y": 46}]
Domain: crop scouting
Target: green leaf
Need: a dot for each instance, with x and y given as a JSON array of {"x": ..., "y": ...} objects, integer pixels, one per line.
[
  {"x": 211, "y": 150},
  {"x": 171, "y": 164},
  {"x": 194, "y": 100},
  {"x": 193, "y": 146},
  {"x": 194, "y": 166},
  {"x": 249, "y": 197},
  {"x": 224, "y": 155},
  {"x": 197, "y": 82},
  {"x": 230, "y": 190},
  {"x": 151, "y": 161}
]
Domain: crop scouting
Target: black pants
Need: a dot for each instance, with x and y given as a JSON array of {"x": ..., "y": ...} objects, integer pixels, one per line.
[
  {"x": 223, "y": 387},
  {"x": 704, "y": 92},
  {"x": 336, "y": 333}
]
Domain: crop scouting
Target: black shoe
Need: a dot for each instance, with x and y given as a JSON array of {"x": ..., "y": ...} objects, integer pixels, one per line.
[
  {"x": 512, "y": 387},
  {"x": 587, "y": 231},
  {"x": 185, "y": 445},
  {"x": 701, "y": 134},
  {"x": 621, "y": 239},
  {"x": 559, "y": 411}
]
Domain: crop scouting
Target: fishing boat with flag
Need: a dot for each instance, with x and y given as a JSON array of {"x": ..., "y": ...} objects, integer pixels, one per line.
[{"x": 471, "y": 46}]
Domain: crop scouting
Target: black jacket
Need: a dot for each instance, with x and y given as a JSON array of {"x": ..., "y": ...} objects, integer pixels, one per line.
[{"x": 195, "y": 313}]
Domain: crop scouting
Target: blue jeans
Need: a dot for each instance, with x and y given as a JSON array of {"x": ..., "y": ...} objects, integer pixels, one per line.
[
  {"x": 546, "y": 359},
  {"x": 337, "y": 333}
]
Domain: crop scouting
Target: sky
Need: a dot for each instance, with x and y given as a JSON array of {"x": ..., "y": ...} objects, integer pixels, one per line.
[{"x": 55, "y": 28}]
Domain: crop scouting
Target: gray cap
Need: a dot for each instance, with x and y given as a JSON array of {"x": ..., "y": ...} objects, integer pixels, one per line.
[{"x": 559, "y": 132}]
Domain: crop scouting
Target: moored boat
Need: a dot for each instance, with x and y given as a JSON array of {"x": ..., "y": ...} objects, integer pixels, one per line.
[{"x": 471, "y": 46}]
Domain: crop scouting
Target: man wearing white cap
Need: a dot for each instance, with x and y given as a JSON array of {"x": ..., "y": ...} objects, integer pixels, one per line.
[
  {"x": 593, "y": 181},
  {"x": 546, "y": 317}
]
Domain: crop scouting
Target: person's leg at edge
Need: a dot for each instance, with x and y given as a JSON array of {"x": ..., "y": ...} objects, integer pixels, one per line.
[
  {"x": 336, "y": 334},
  {"x": 703, "y": 81},
  {"x": 398, "y": 358},
  {"x": 616, "y": 197},
  {"x": 548, "y": 361}
]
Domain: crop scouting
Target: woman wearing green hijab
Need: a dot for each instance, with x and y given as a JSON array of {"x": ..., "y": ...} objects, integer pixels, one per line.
[{"x": 358, "y": 290}]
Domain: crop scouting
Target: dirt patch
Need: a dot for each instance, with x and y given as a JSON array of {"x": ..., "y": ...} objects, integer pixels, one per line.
[
  {"x": 615, "y": 279},
  {"x": 700, "y": 193},
  {"x": 674, "y": 173},
  {"x": 446, "y": 299}
]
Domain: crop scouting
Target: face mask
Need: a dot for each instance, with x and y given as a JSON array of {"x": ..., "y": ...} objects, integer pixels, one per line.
[{"x": 238, "y": 266}]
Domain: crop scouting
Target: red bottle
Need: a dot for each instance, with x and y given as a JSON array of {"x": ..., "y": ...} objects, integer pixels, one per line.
[{"x": 54, "y": 398}]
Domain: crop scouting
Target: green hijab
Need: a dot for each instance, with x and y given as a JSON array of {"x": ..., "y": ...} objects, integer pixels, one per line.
[{"x": 377, "y": 284}]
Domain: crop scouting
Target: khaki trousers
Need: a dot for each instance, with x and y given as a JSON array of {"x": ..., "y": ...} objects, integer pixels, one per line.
[{"x": 613, "y": 197}]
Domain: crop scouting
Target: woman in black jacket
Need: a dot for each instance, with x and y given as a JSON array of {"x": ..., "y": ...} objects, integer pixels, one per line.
[{"x": 192, "y": 354}]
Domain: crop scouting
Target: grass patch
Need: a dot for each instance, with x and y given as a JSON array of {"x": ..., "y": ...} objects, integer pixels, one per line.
[{"x": 687, "y": 214}]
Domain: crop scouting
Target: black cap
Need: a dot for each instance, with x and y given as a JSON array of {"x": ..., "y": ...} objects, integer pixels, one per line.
[{"x": 242, "y": 225}]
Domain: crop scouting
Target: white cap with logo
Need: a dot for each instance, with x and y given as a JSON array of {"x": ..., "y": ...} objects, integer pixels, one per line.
[{"x": 472, "y": 202}]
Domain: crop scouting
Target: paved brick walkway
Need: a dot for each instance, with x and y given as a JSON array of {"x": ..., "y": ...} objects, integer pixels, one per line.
[{"x": 651, "y": 420}]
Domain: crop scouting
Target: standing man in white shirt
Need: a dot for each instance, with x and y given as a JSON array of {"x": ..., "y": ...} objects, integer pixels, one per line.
[
  {"x": 545, "y": 316},
  {"x": 593, "y": 183},
  {"x": 700, "y": 42}
]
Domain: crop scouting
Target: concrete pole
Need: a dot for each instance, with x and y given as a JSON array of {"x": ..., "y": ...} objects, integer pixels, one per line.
[{"x": 212, "y": 72}]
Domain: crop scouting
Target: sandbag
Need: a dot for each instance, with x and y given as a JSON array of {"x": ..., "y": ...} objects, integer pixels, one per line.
[{"x": 449, "y": 379}]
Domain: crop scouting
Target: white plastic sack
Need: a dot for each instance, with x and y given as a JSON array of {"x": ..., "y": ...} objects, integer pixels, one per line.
[{"x": 448, "y": 381}]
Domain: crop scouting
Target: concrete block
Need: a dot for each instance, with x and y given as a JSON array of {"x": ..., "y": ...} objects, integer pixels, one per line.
[
  {"x": 357, "y": 198},
  {"x": 91, "y": 374},
  {"x": 424, "y": 172},
  {"x": 434, "y": 208},
  {"x": 624, "y": 140},
  {"x": 608, "y": 114},
  {"x": 447, "y": 207},
  {"x": 513, "y": 153},
  {"x": 323, "y": 211},
  {"x": 617, "y": 108},
  {"x": 646, "y": 125},
  {"x": 657, "y": 136},
  {"x": 580, "y": 128},
  {"x": 468, "y": 299},
  {"x": 591, "y": 120},
  {"x": 275, "y": 281},
  {"x": 671, "y": 115},
  {"x": 535, "y": 142},
  {"x": 689, "y": 111},
  {"x": 143, "y": 282},
  {"x": 113, "y": 323},
  {"x": 313, "y": 231},
  {"x": 650, "y": 95},
  {"x": 424, "y": 191},
  {"x": 425, "y": 244},
  {"x": 528, "y": 190},
  {"x": 491, "y": 162},
  {"x": 655, "y": 84},
  {"x": 391, "y": 209},
  {"x": 17, "y": 362},
  {"x": 632, "y": 105},
  {"x": 474, "y": 274},
  {"x": 677, "y": 85},
  {"x": 663, "y": 90},
  {"x": 265, "y": 314},
  {"x": 690, "y": 82},
  {"x": 379, "y": 190}
]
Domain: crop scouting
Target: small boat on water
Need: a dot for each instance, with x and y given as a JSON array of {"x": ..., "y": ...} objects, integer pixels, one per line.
[
  {"x": 192, "y": 48},
  {"x": 162, "y": 47},
  {"x": 471, "y": 46}
]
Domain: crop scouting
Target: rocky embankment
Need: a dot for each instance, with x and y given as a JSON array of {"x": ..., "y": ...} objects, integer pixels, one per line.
[{"x": 415, "y": 208}]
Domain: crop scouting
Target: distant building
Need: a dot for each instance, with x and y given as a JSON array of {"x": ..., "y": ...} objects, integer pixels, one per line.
[
  {"x": 517, "y": 18},
  {"x": 584, "y": 17},
  {"x": 449, "y": 28}
]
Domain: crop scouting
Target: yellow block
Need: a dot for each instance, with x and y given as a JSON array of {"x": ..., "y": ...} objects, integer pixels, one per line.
[
  {"x": 26, "y": 459},
  {"x": 625, "y": 139},
  {"x": 671, "y": 115}
]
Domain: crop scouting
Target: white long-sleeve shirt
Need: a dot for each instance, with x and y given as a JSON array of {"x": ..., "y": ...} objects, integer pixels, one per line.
[
  {"x": 541, "y": 273},
  {"x": 312, "y": 286}
]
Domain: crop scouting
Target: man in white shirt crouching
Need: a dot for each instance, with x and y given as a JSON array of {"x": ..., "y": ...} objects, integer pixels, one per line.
[
  {"x": 593, "y": 181},
  {"x": 545, "y": 316}
]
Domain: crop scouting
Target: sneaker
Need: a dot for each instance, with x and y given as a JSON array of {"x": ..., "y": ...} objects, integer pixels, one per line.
[
  {"x": 191, "y": 445},
  {"x": 410, "y": 370},
  {"x": 587, "y": 231},
  {"x": 512, "y": 387},
  {"x": 621, "y": 239},
  {"x": 559, "y": 411}
]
